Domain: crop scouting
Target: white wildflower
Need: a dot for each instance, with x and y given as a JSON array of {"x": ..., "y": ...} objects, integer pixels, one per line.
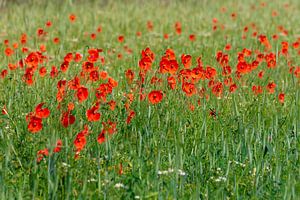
[
  {"x": 65, "y": 164},
  {"x": 91, "y": 180},
  {"x": 221, "y": 178},
  {"x": 120, "y": 185},
  {"x": 181, "y": 173}
]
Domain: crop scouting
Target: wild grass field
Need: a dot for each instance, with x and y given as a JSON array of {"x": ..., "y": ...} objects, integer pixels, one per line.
[{"x": 150, "y": 99}]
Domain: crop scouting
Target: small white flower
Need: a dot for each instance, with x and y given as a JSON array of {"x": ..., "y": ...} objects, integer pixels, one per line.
[
  {"x": 170, "y": 170},
  {"x": 181, "y": 173},
  {"x": 120, "y": 185},
  {"x": 65, "y": 164},
  {"x": 92, "y": 180},
  {"x": 221, "y": 178},
  {"x": 105, "y": 182},
  {"x": 162, "y": 172},
  {"x": 238, "y": 163}
]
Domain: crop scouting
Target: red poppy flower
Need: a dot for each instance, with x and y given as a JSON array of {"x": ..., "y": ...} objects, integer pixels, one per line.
[
  {"x": 170, "y": 54},
  {"x": 67, "y": 119},
  {"x": 129, "y": 76},
  {"x": 145, "y": 63},
  {"x": 3, "y": 73},
  {"x": 80, "y": 141},
  {"x": 54, "y": 72},
  {"x": 72, "y": 17},
  {"x": 172, "y": 66},
  {"x": 227, "y": 81},
  {"x": 113, "y": 83},
  {"x": 149, "y": 25},
  {"x": 15, "y": 45},
  {"x": 155, "y": 96},
  {"x": 61, "y": 84},
  {"x": 35, "y": 124},
  {"x": 120, "y": 171},
  {"x": 228, "y": 47},
  {"x": 93, "y": 55},
  {"x": 12, "y": 66},
  {"x": 28, "y": 77},
  {"x": 226, "y": 71},
  {"x": 6, "y": 42},
  {"x": 186, "y": 60},
  {"x": 130, "y": 116},
  {"x": 93, "y": 36},
  {"x": 101, "y": 137},
  {"x": 297, "y": 71},
  {"x": 23, "y": 38},
  {"x": 92, "y": 114},
  {"x": 271, "y": 60},
  {"x": 217, "y": 89},
  {"x": 112, "y": 105},
  {"x": 139, "y": 34},
  {"x": 32, "y": 60},
  {"x": 172, "y": 82},
  {"x": 4, "y": 110},
  {"x": 56, "y": 40},
  {"x": 94, "y": 75},
  {"x": 155, "y": 80},
  {"x": 58, "y": 146},
  {"x": 82, "y": 93},
  {"x": 77, "y": 57},
  {"x": 41, "y": 32},
  {"x": 41, "y": 154},
  {"x": 103, "y": 75},
  {"x": 109, "y": 127},
  {"x": 178, "y": 28},
  {"x": 261, "y": 74},
  {"x": 148, "y": 53},
  {"x": 281, "y": 97},
  {"x": 68, "y": 57},
  {"x": 74, "y": 84},
  {"x": 257, "y": 89},
  {"x": 210, "y": 72},
  {"x": 233, "y": 15},
  {"x": 41, "y": 112},
  {"x": 48, "y": 23},
  {"x": 71, "y": 106},
  {"x": 43, "y": 48},
  {"x": 192, "y": 37},
  {"x": 232, "y": 88},
  {"x": 296, "y": 45},
  {"x": 42, "y": 71},
  {"x": 271, "y": 87},
  {"x": 189, "y": 89},
  {"x": 120, "y": 56},
  {"x": 103, "y": 90},
  {"x": 243, "y": 68},
  {"x": 99, "y": 29},
  {"x": 121, "y": 38},
  {"x": 64, "y": 66},
  {"x": 87, "y": 66}
]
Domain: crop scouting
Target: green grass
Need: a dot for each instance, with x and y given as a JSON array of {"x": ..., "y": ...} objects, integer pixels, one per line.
[{"x": 250, "y": 150}]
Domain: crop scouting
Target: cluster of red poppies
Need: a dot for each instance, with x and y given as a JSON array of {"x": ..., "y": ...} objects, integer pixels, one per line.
[{"x": 190, "y": 76}]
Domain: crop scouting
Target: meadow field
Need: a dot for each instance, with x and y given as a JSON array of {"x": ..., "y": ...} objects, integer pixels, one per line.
[{"x": 149, "y": 99}]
